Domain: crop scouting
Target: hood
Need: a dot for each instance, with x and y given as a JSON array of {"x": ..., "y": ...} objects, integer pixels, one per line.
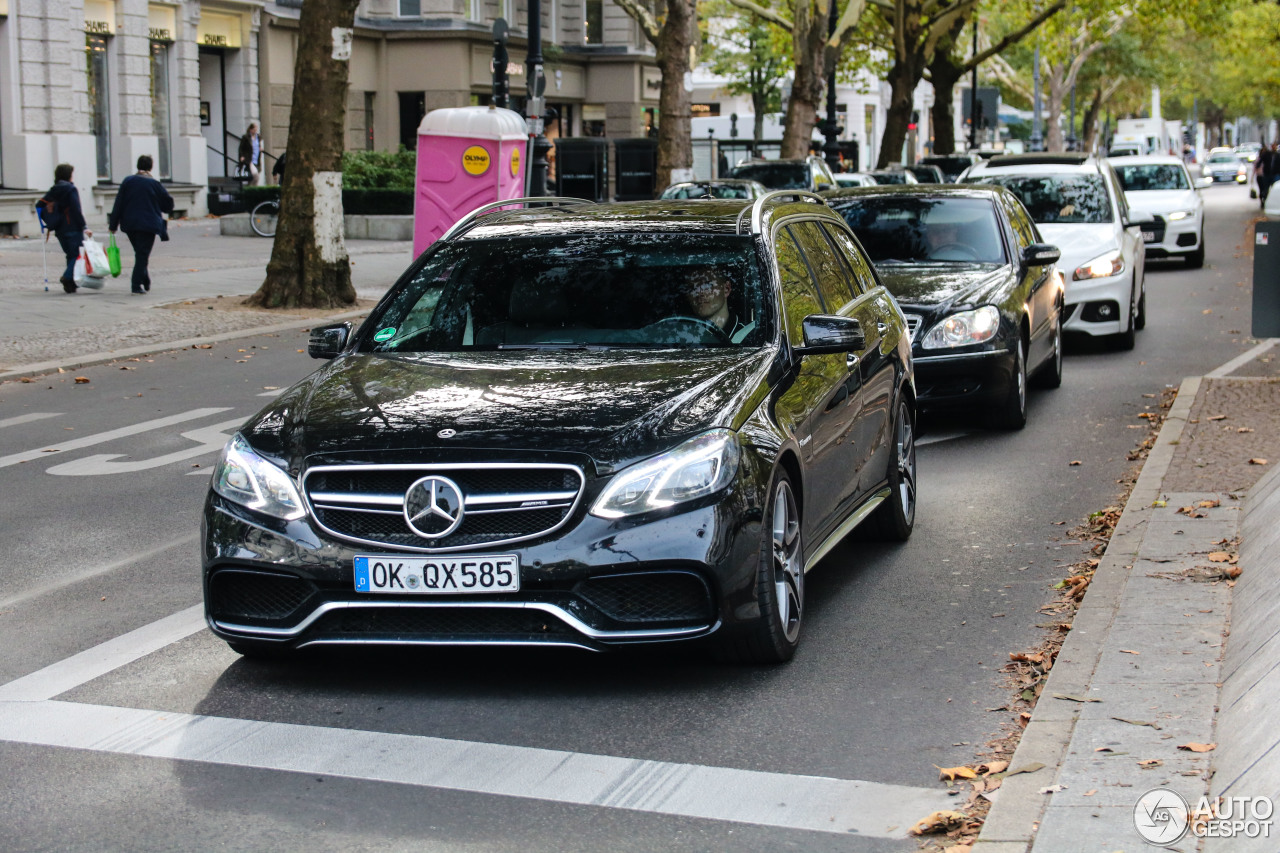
[
  {"x": 1161, "y": 202},
  {"x": 614, "y": 406},
  {"x": 1080, "y": 242},
  {"x": 943, "y": 285}
]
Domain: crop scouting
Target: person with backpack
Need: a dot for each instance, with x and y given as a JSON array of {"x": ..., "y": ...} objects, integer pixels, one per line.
[
  {"x": 61, "y": 213},
  {"x": 140, "y": 208}
]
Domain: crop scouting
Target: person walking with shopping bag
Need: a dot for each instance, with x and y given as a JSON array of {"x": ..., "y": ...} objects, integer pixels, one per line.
[
  {"x": 251, "y": 153},
  {"x": 61, "y": 213},
  {"x": 139, "y": 211}
]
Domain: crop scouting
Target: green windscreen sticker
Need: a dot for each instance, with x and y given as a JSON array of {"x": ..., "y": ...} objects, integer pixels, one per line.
[{"x": 385, "y": 334}]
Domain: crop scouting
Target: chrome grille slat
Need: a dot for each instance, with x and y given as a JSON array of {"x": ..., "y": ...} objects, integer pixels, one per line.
[
  {"x": 913, "y": 324},
  {"x": 354, "y": 502}
]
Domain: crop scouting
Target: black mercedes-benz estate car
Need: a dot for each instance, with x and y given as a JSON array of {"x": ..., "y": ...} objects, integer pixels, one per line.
[
  {"x": 576, "y": 425},
  {"x": 978, "y": 286}
]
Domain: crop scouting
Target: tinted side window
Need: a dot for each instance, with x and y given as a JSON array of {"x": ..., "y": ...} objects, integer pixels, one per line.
[
  {"x": 1022, "y": 226},
  {"x": 831, "y": 275},
  {"x": 863, "y": 279},
  {"x": 799, "y": 296}
]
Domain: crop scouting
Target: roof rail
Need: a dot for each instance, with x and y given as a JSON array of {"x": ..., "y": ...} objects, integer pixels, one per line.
[
  {"x": 471, "y": 217},
  {"x": 757, "y": 209}
]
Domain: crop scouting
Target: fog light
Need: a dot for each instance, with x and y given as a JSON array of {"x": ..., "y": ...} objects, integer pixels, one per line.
[{"x": 1104, "y": 311}]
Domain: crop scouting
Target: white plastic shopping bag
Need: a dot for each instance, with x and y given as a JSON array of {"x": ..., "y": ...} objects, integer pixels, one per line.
[
  {"x": 96, "y": 264},
  {"x": 82, "y": 277}
]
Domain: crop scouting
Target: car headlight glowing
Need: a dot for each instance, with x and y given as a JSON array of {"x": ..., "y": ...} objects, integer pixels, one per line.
[
  {"x": 1102, "y": 266},
  {"x": 1177, "y": 215},
  {"x": 967, "y": 327},
  {"x": 701, "y": 466},
  {"x": 242, "y": 476}
]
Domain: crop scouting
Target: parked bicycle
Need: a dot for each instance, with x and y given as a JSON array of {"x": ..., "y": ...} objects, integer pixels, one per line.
[{"x": 263, "y": 218}]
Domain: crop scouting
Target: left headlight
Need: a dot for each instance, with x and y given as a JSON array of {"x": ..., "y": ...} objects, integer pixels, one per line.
[
  {"x": 244, "y": 477},
  {"x": 1102, "y": 266},
  {"x": 1179, "y": 215},
  {"x": 699, "y": 467},
  {"x": 967, "y": 327}
]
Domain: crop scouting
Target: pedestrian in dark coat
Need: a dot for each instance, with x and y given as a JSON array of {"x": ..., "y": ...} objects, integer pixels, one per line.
[
  {"x": 60, "y": 210},
  {"x": 139, "y": 211}
]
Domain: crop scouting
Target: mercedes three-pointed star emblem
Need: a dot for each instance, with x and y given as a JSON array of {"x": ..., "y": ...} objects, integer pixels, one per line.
[{"x": 433, "y": 507}]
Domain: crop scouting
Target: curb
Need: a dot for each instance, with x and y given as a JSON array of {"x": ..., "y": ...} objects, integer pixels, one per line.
[
  {"x": 43, "y": 367},
  {"x": 1014, "y": 817}
]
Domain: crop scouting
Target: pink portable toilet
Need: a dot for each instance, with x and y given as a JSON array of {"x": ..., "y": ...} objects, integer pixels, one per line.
[{"x": 467, "y": 156}]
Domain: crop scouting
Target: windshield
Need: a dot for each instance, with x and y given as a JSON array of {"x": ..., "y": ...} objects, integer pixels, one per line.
[
  {"x": 926, "y": 229},
  {"x": 705, "y": 190},
  {"x": 1058, "y": 198},
  {"x": 778, "y": 176},
  {"x": 1223, "y": 158},
  {"x": 578, "y": 291},
  {"x": 1158, "y": 176}
]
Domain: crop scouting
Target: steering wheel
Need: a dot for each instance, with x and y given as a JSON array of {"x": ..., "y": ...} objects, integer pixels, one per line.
[
  {"x": 704, "y": 325},
  {"x": 968, "y": 251}
]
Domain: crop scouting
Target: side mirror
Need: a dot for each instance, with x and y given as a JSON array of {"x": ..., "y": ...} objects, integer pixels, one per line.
[
  {"x": 826, "y": 333},
  {"x": 328, "y": 341},
  {"x": 1040, "y": 254},
  {"x": 1137, "y": 217}
]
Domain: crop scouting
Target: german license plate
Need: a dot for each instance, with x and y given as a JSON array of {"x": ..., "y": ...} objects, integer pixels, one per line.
[
  {"x": 1149, "y": 236},
  {"x": 437, "y": 575}
]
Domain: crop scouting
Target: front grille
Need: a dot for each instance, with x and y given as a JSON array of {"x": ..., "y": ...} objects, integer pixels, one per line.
[
  {"x": 438, "y": 623},
  {"x": 650, "y": 597},
  {"x": 256, "y": 597},
  {"x": 913, "y": 325},
  {"x": 1156, "y": 229},
  {"x": 503, "y": 503}
]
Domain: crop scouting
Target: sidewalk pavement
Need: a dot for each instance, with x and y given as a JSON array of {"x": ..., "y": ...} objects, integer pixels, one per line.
[
  {"x": 1146, "y": 668},
  {"x": 1165, "y": 651}
]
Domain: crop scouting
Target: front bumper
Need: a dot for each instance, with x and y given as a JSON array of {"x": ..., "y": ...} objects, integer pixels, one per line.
[
  {"x": 593, "y": 584},
  {"x": 1087, "y": 301},
  {"x": 1176, "y": 237},
  {"x": 951, "y": 381}
]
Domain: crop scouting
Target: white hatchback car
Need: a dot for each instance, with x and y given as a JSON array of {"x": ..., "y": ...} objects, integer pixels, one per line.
[
  {"x": 1078, "y": 205},
  {"x": 1159, "y": 184}
]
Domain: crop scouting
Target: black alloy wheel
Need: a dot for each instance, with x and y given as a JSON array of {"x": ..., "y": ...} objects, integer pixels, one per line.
[
  {"x": 1140, "y": 322},
  {"x": 1126, "y": 339},
  {"x": 773, "y": 638},
  {"x": 1012, "y": 413},
  {"x": 895, "y": 518}
]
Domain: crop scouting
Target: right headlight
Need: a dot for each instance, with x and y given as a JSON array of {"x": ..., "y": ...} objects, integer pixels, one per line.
[
  {"x": 1102, "y": 266},
  {"x": 963, "y": 329},
  {"x": 242, "y": 476},
  {"x": 701, "y": 466}
]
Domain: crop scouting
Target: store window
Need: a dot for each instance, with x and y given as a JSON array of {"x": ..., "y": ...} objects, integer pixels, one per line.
[
  {"x": 413, "y": 106},
  {"x": 410, "y": 8},
  {"x": 160, "y": 108},
  {"x": 99, "y": 111},
  {"x": 593, "y": 26}
]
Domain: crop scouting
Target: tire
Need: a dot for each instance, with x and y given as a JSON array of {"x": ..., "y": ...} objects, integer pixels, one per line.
[
  {"x": 1126, "y": 339},
  {"x": 1140, "y": 320},
  {"x": 1012, "y": 412},
  {"x": 1050, "y": 373},
  {"x": 263, "y": 218},
  {"x": 1195, "y": 260},
  {"x": 774, "y": 637},
  {"x": 894, "y": 519}
]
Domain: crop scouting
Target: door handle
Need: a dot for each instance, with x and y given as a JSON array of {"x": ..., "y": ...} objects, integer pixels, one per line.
[{"x": 851, "y": 360}]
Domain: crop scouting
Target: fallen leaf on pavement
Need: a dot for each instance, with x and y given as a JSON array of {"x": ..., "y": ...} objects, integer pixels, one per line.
[
  {"x": 1192, "y": 512},
  {"x": 946, "y": 774},
  {"x": 1074, "y": 462},
  {"x": 1232, "y": 572},
  {"x": 1151, "y": 762},
  {"x": 958, "y": 848},
  {"x": 938, "y": 822},
  {"x": 1130, "y": 652},
  {"x": 82, "y": 380},
  {"x": 1090, "y": 792},
  {"x": 1026, "y": 658},
  {"x": 1155, "y": 726},
  {"x": 1209, "y": 504},
  {"x": 1245, "y": 429},
  {"x": 1221, "y": 557},
  {"x": 1071, "y": 698},
  {"x": 1025, "y": 768},
  {"x": 1198, "y": 747},
  {"x": 992, "y": 767},
  {"x": 1254, "y": 461},
  {"x": 1053, "y": 789},
  {"x": 1217, "y": 417}
]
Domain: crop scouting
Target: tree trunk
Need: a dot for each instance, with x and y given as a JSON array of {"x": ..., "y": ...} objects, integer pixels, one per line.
[
  {"x": 679, "y": 32},
  {"x": 903, "y": 77},
  {"x": 309, "y": 267},
  {"x": 759, "y": 102},
  {"x": 1089, "y": 121},
  {"x": 1057, "y": 89},
  {"x": 945, "y": 74},
  {"x": 807, "y": 39}
]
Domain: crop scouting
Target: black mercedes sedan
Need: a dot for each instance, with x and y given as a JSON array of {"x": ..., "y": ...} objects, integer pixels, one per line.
[
  {"x": 577, "y": 425},
  {"x": 978, "y": 286}
]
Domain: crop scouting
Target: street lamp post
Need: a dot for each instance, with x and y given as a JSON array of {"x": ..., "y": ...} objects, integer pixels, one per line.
[
  {"x": 1037, "y": 138},
  {"x": 831, "y": 130},
  {"x": 535, "y": 106},
  {"x": 501, "y": 87},
  {"x": 973, "y": 93}
]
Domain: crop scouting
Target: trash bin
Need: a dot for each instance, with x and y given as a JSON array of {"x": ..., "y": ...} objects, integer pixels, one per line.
[
  {"x": 637, "y": 169},
  {"x": 467, "y": 157},
  {"x": 1266, "y": 278},
  {"x": 582, "y": 168}
]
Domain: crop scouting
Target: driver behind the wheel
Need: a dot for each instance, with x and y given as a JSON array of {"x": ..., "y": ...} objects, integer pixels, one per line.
[{"x": 707, "y": 296}]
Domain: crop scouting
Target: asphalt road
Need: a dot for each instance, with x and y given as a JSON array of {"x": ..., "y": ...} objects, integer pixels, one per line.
[{"x": 101, "y": 485}]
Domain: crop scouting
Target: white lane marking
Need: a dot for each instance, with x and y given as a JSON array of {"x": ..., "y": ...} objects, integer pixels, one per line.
[
  {"x": 97, "y": 571},
  {"x": 110, "y": 435},
  {"x": 1242, "y": 359},
  {"x": 270, "y": 394},
  {"x": 103, "y": 658},
  {"x": 941, "y": 437},
  {"x": 211, "y": 439},
  {"x": 26, "y": 419},
  {"x": 812, "y": 803}
]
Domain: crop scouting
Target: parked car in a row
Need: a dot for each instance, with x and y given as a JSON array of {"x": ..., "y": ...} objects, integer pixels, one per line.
[
  {"x": 1160, "y": 185},
  {"x": 576, "y": 425}
]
